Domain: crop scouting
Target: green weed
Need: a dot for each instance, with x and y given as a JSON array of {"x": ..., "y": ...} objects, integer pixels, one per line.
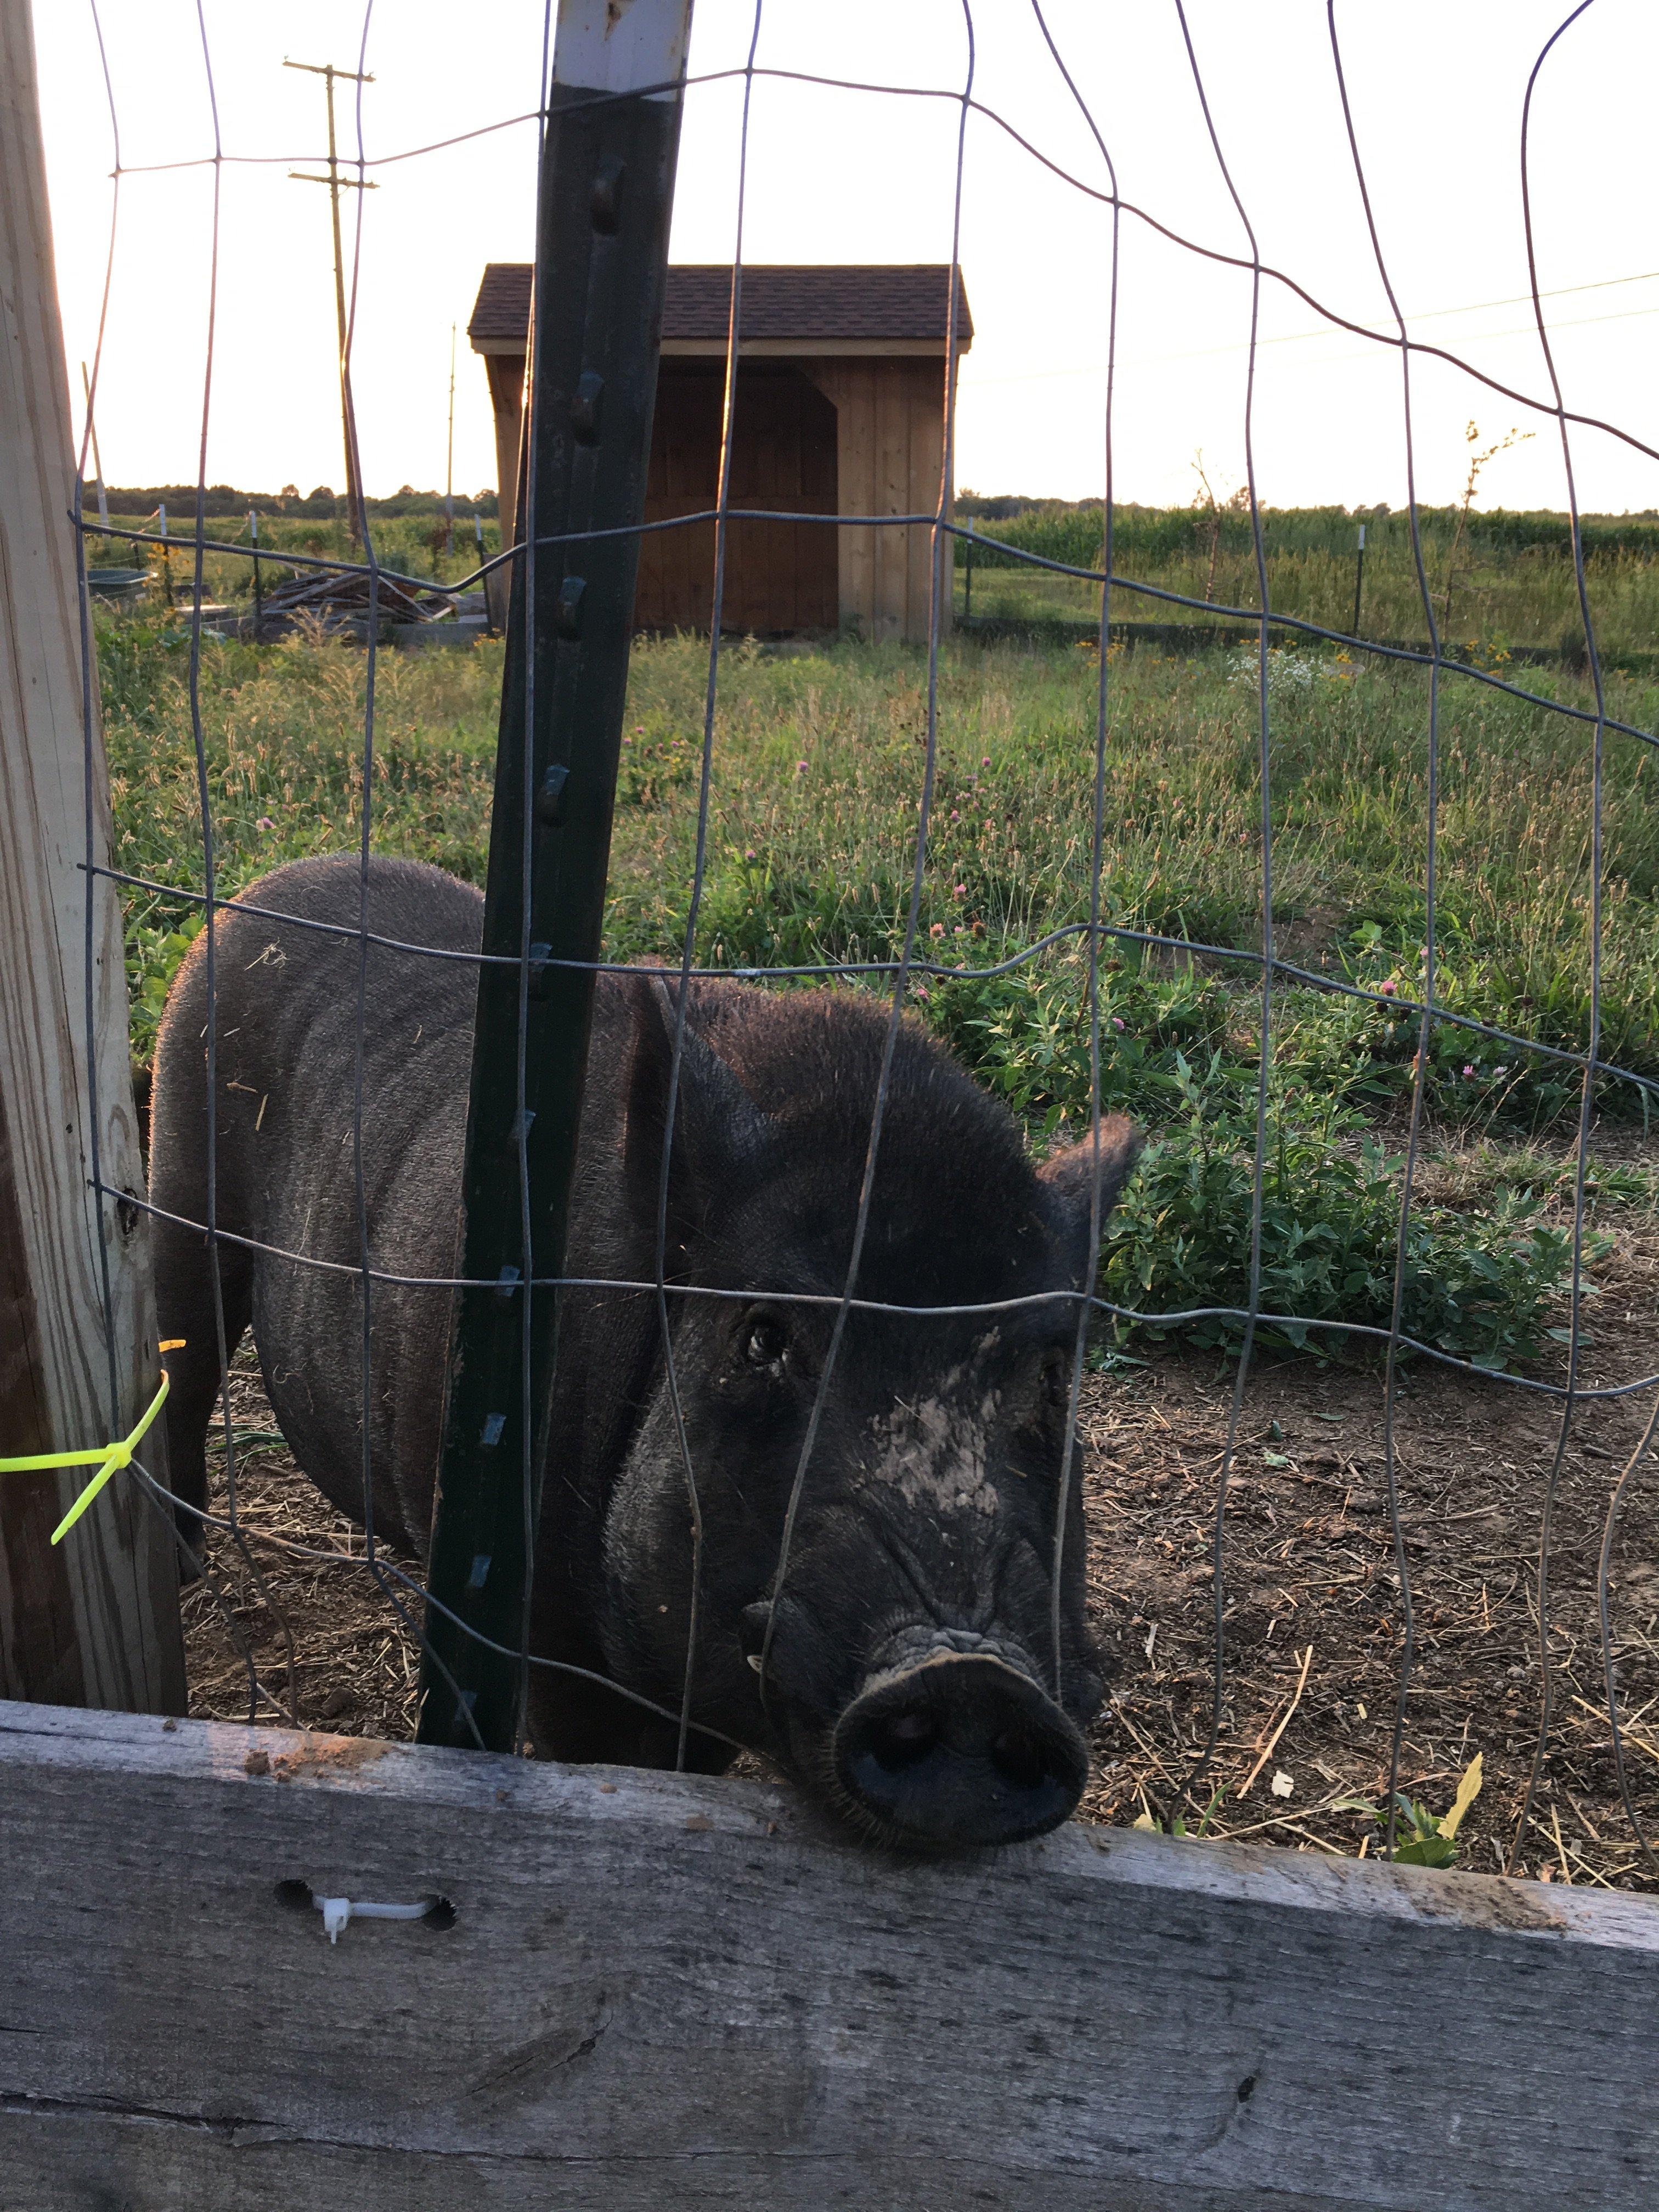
[
  {"x": 1483, "y": 1283},
  {"x": 1429, "y": 1839}
]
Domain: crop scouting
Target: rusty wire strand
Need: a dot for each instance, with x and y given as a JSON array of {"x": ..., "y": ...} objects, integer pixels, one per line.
[
  {"x": 1097, "y": 870},
  {"x": 998, "y": 122},
  {"x": 913, "y": 918},
  {"x": 1259, "y": 1164},
  {"x": 1425, "y": 1027},
  {"x": 1586, "y": 1106}
]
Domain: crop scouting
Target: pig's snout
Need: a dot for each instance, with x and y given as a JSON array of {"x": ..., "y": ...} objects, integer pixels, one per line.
[{"x": 958, "y": 1748}]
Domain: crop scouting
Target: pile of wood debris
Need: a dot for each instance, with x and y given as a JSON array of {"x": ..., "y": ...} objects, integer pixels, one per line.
[{"x": 341, "y": 601}]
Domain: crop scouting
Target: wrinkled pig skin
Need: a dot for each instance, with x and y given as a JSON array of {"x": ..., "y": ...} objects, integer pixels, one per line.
[{"x": 906, "y": 1668}]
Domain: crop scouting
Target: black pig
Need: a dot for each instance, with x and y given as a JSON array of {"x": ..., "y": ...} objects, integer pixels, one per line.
[{"x": 911, "y": 1679}]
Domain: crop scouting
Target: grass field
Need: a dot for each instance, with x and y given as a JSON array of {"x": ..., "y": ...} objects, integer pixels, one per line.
[
  {"x": 1502, "y": 585},
  {"x": 819, "y": 756}
]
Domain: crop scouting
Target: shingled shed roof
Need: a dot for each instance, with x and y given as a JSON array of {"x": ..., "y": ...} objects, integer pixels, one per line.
[{"x": 840, "y": 308}]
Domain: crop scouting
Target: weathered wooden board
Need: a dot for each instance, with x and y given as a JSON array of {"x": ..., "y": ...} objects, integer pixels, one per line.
[
  {"x": 890, "y": 424},
  {"x": 665, "y": 1993}
]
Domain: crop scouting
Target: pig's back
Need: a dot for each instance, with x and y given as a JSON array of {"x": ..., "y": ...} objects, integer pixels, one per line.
[
  {"x": 286, "y": 1001},
  {"x": 289, "y": 1083}
]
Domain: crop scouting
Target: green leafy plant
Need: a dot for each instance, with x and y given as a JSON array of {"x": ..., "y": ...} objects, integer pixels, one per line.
[
  {"x": 1026, "y": 1034},
  {"x": 154, "y": 954},
  {"x": 1482, "y": 1285},
  {"x": 1429, "y": 1840}
]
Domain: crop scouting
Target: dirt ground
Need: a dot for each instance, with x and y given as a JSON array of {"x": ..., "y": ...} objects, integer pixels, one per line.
[{"x": 1313, "y": 1641}]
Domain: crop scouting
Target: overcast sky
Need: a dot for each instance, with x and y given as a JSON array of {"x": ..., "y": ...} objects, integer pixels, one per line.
[{"x": 1437, "y": 87}]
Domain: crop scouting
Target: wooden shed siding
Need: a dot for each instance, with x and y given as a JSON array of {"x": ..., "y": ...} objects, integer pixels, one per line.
[
  {"x": 779, "y": 575},
  {"x": 506, "y": 374},
  {"x": 883, "y": 457},
  {"x": 890, "y": 417}
]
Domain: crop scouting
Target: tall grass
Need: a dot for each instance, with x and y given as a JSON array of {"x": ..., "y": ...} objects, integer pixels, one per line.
[
  {"x": 1507, "y": 584},
  {"x": 811, "y": 846}
]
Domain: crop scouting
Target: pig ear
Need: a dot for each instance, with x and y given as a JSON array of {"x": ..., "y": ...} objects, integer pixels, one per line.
[
  {"x": 718, "y": 1131},
  {"x": 1068, "y": 1175}
]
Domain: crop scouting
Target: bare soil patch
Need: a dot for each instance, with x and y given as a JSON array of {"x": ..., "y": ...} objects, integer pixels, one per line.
[
  {"x": 1308, "y": 1561},
  {"x": 321, "y": 1634}
]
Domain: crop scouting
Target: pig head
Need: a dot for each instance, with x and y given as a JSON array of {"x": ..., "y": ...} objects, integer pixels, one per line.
[{"x": 881, "y": 1589}]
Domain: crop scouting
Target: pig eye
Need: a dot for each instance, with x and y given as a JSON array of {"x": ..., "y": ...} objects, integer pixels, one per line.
[{"x": 764, "y": 1342}]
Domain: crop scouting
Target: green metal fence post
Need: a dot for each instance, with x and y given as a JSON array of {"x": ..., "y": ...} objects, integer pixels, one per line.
[{"x": 605, "y": 194}]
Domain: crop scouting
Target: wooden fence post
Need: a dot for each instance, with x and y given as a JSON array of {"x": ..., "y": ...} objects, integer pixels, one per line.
[
  {"x": 95, "y": 1621},
  {"x": 606, "y": 189}
]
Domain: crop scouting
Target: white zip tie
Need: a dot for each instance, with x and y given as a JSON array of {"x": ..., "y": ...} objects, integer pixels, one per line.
[{"x": 338, "y": 1911}]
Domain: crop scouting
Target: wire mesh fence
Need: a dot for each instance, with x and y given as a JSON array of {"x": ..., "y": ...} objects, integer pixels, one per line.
[{"x": 352, "y": 1288}]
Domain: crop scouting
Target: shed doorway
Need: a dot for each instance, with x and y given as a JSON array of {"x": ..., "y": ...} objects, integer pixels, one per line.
[{"x": 780, "y": 576}]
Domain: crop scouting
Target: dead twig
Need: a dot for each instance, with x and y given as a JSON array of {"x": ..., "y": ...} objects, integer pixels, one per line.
[{"x": 1267, "y": 1751}]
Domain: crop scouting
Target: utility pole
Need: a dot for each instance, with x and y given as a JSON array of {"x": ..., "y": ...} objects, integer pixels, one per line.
[
  {"x": 449, "y": 461},
  {"x": 336, "y": 184}
]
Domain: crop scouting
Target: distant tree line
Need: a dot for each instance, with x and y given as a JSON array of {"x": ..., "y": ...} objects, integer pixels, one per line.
[{"x": 321, "y": 504}]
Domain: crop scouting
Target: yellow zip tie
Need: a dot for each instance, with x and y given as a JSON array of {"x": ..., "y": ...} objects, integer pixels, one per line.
[{"x": 108, "y": 1460}]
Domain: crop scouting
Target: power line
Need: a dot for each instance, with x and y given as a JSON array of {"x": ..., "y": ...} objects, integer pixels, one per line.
[{"x": 1299, "y": 338}]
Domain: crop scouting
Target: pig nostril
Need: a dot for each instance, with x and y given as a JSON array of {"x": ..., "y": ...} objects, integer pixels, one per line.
[
  {"x": 959, "y": 1750},
  {"x": 1022, "y": 1760},
  {"x": 901, "y": 1741}
]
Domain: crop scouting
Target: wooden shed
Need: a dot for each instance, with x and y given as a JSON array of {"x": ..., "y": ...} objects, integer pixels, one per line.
[{"x": 840, "y": 410}]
